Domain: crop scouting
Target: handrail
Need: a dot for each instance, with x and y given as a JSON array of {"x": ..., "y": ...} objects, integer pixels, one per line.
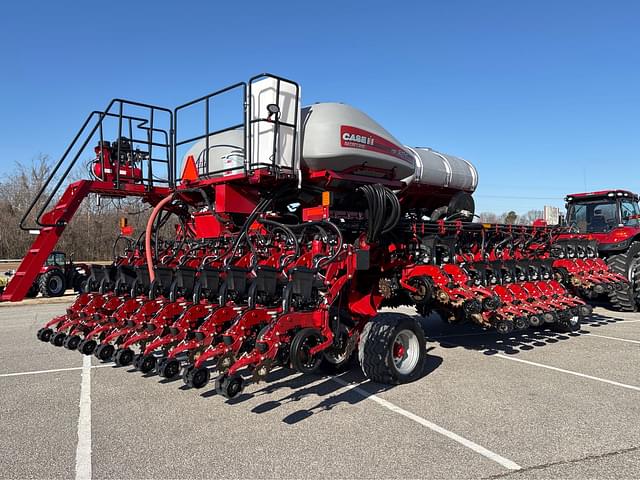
[
  {"x": 171, "y": 141},
  {"x": 143, "y": 122}
]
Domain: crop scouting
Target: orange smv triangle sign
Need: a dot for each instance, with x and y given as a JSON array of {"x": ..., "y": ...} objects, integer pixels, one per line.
[{"x": 190, "y": 171}]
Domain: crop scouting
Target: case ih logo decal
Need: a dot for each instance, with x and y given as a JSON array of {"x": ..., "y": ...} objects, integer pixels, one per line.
[{"x": 353, "y": 137}]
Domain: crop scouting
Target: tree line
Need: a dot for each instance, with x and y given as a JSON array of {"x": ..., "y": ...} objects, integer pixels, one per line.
[
  {"x": 511, "y": 217},
  {"x": 91, "y": 233}
]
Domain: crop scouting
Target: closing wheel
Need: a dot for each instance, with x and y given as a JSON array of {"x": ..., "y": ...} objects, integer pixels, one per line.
[
  {"x": 44, "y": 334},
  {"x": 146, "y": 363},
  {"x": 104, "y": 352},
  {"x": 392, "y": 348},
  {"x": 338, "y": 357},
  {"x": 169, "y": 368},
  {"x": 57, "y": 339},
  {"x": 197, "y": 377},
  {"x": 87, "y": 347},
  {"x": 229, "y": 387},
  {"x": 72, "y": 341},
  {"x": 585, "y": 310},
  {"x": 299, "y": 353},
  {"x": 136, "y": 361},
  {"x": 520, "y": 323},
  {"x": 569, "y": 324},
  {"x": 536, "y": 321},
  {"x": 504, "y": 327},
  {"x": 123, "y": 357}
]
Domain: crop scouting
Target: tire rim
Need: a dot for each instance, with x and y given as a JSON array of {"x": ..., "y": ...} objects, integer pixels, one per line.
[
  {"x": 405, "y": 351},
  {"x": 55, "y": 285}
]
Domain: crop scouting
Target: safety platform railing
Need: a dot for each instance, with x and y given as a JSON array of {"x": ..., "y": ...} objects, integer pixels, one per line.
[{"x": 154, "y": 163}]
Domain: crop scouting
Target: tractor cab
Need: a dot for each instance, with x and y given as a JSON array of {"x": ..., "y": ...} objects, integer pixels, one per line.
[
  {"x": 611, "y": 217},
  {"x": 56, "y": 259}
]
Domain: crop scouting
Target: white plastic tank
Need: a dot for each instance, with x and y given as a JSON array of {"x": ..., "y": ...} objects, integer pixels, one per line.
[{"x": 226, "y": 153}]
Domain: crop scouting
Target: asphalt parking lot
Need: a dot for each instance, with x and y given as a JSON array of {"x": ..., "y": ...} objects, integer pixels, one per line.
[{"x": 535, "y": 404}]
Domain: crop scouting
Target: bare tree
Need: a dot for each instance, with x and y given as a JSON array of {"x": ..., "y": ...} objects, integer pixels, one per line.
[{"x": 91, "y": 232}]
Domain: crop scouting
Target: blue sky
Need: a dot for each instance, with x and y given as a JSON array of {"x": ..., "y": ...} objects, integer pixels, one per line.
[{"x": 542, "y": 96}]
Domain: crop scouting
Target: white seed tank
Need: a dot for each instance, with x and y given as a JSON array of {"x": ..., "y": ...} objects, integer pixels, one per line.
[{"x": 338, "y": 137}]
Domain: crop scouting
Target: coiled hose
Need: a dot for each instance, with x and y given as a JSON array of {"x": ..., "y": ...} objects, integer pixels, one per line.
[{"x": 383, "y": 212}]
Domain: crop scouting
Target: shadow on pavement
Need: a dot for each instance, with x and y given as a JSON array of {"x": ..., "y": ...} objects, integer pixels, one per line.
[
  {"x": 330, "y": 390},
  {"x": 473, "y": 337}
]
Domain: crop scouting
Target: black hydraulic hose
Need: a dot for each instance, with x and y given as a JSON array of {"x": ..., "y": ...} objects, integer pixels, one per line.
[
  {"x": 339, "y": 247},
  {"x": 396, "y": 211},
  {"x": 207, "y": 201},
  {"x": 287, "y": 231},
  {"x": 248, "y": 222},
  {"x": 384, "y": 210}
]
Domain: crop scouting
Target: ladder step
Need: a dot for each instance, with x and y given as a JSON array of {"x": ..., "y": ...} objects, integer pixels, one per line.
[
  {"x": 34, "y": 250},
  {"x": 20, "y": 274}
]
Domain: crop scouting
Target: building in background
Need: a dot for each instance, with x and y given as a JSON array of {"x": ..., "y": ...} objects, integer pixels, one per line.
[{"x": 551, "y": 215}]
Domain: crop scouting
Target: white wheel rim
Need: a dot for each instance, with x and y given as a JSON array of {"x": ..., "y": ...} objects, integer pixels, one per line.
[{"x": 405, "y": 351}]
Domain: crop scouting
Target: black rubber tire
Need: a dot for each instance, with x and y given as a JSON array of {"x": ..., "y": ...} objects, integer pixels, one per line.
[
  {"x": 338, "y": 361},
  {"x": 136, "y": 360},
  {"x": 298, "y": 355},
  {"x": 52, "y": 284},
  {"x": 568, "y": 326},
  {"x": 72, "y": 342},
  {"x": 44, "y": 334},
  {"x": 57, "y": 339},
  {"x": 87, "y": 347},
  {"x": 33, "y": 290},
  {"x": 625, "y": 300},
  {"x": 146, "y": 363},
  {"x": 375, "y": 349},
  {"x": 104, "y": 352},
  {"x": 229, "y": 386},
  {"x": 123, "y": 357},
  {"x": 197, "y": 377},
  {"x": 169, "y": 368}
]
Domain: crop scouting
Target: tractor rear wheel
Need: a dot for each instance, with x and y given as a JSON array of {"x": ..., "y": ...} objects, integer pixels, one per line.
[
  {"x": 392, "y": 348},
  {"x": 627, "y": 264},
  {"x": 33, "y": 290},
  {"x": 52, "y": 284}
]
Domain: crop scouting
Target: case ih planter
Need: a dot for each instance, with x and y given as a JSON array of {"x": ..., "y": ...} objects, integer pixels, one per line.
[{"x": 294, "y": 227}]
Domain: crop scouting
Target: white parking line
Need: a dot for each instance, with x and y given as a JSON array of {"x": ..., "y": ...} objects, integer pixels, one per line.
[
  {"x": 36, "y": 372},
  {"x": 610, "y": 338},
  {"x": 83, "y": 449},
  {"x": 505, "y": 462},
  {"x": 570, "y": 372}
]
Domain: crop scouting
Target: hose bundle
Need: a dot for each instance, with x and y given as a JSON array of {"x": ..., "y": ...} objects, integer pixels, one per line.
[{"x": 383, "y": 210}]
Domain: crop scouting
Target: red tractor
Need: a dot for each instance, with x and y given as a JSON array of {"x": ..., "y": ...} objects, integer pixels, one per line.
[
  {"x": 612, "y": 219},
  {"x": 57, "y": 275}
]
